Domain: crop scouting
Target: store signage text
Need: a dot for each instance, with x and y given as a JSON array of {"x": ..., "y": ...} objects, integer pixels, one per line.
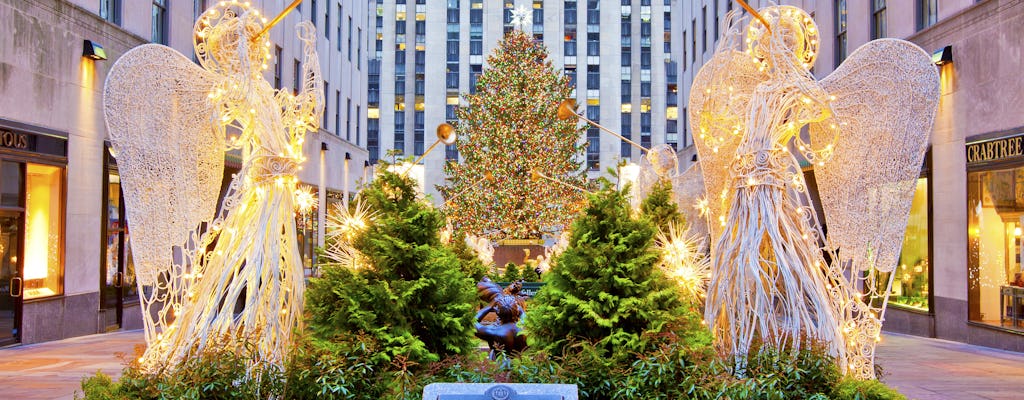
[
  {"x": 13, "y": 140},
  {"x": 995, "y": 150}
]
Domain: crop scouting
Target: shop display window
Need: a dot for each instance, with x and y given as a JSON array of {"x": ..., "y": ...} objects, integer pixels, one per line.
[
  {"x": 995, "y": 210},
  {"x": 43, "y": 251},
  {"x": 910, "y": 286}
]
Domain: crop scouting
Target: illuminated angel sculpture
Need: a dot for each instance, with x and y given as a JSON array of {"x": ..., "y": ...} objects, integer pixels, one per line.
[
  {"x": 775, "y": 277},
  {"x": 237, "y": 272}
]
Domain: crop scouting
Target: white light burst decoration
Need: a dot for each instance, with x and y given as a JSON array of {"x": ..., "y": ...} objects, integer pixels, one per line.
[
  {"x": 341, "y": 228},
  {"x": 682, "y": 261},
  {"x": 304, "y": 199}
]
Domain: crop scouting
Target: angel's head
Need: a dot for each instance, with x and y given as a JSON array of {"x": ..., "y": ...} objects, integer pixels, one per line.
[
  {"x": 226, "y": 39},
  {"x": 791, "y": 40}
]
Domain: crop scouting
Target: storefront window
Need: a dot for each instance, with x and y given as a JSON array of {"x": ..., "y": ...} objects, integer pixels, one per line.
[
  {"x": 995, "y": 201},
  {"x": 43, "y": 243},
  {"x": 910, "y": 285}
]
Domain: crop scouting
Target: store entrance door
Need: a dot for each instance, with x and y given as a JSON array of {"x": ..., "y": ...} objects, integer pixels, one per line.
[
  {"x": 112, "y": 282},
  {"x": 12, "y": 286}
]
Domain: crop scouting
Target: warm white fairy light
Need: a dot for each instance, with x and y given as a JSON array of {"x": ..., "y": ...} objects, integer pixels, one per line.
[{"x": 682, "y": 261}]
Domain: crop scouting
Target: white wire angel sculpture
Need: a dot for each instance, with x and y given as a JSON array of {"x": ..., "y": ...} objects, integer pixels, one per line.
[
  {"x": 240, "y": 274},
  {"x": 775, "y": 278}
]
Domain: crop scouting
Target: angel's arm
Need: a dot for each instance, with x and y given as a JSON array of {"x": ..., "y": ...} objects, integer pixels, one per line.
[{"x": 306, "y": 107}]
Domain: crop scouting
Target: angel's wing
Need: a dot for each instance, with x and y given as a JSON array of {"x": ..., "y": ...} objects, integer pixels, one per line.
[
  {"x": 688, "y": 188},
  {"x": 719, "y": 105},
  {"x": 885, "y": 98},
  {"x": 169, "y": 147}
]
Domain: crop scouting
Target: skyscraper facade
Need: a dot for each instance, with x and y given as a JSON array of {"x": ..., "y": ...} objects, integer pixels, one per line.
[{"x": 622, "y": 56}]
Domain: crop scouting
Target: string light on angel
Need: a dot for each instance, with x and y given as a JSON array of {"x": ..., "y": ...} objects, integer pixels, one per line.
[
  {"x": 237, "y": 272},
  {"x": 775, "y": 276}
]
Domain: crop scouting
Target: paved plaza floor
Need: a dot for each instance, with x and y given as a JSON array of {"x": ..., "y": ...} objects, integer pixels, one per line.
[{"x": 920, "y": 368}]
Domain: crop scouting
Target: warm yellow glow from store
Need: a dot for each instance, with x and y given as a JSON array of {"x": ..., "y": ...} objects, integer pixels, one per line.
[{"x": 42, "y": 216}]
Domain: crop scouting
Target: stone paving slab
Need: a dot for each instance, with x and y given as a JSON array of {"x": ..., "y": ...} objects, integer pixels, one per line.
[
  {"x": 935, "y": 369},
  {"x": 54, "y": 370},
  {"x": 921, "y": 368}
]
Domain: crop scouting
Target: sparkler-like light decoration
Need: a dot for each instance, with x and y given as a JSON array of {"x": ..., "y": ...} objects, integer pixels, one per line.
[
  {"x": 341, "y": 228},
  {"x": 682, "y": 261},
  {"x": 304, "y": 199}
]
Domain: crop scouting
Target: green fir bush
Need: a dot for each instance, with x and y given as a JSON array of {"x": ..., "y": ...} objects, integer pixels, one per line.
[
  {"x": 414, "y": 298},
  {"x": 660, "y": 208},
  {"x": 605, "y": 287},
  {"x": 511, "y": 273}
]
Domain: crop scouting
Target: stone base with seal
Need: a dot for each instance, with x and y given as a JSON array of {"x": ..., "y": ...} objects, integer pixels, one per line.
[{"x": 499, "y": 391}]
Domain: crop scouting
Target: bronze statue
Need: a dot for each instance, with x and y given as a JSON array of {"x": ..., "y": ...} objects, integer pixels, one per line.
[{"x": 508, "y": 307}]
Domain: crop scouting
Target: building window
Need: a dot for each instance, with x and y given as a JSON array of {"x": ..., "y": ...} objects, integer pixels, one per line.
[
  {"x": 475, "y": 70},
  {"x": 593, "y": 139},
  {"x": 348, "y": 118},
  {"x": 452, "y": 76},
  {"x": 278, "y": 68},
  {"x": 312, "y": 13},
  {"x": 704, "y": 29},
  {"x": 359, "y": 48},
  {"x": 373, "y": 139},
  {"x": 418, "y": 132},
  {"x": 714, "y": 10},
  {"x": 910, "y": 286},
  {"x": 44, "y": 241},
  {"x": 358, "y": 120},
  {"x": 327, "y": 92},
  {"x": 337, "y": 30},
  {"x": 693, "y": 40},
  {"x": 593, "y": 44},
  {"x": 626, "y": 130},
  {"x": 337, "y": 112},
  {"x": 840, "y": 32},
  {"x": 927, "y": 13},
  {"x": 593, "y": 77},
  {"x": 995, "y": 287},
  {"x": 349, "y": 39},
  {"x": 400, "y": 131},
  {"x": 296, "y": 83},
  {"x": 570, "y": 12},
  {"x": 159, "y": 32},
  {"x": 327, "y": 23},
  {"x": 878, "y": 23},
  {"x": 110, "y": 10}
]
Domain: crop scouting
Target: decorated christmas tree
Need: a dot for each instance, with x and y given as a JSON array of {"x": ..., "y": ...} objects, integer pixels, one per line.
[{"x": 507, "y": 131}]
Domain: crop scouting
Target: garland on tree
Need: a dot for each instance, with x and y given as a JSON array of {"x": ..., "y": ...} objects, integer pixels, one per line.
[{"x": 509, "y": 129}]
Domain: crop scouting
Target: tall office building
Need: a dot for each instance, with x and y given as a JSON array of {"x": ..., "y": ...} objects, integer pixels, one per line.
[
  {"x": 621, "y": 55},
  {"x": 66, "y": 270},
  {"x": 961, "y": 252}
]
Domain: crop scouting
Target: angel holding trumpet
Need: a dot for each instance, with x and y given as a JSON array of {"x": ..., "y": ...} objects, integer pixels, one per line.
[
  {"x": 776, "y": 277},
  {"x": 236, "y": 272}
]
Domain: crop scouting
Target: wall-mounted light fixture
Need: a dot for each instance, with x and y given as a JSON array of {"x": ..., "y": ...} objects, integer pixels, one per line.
[
  {"x": 348, "y": 156},
  {"x": 943, "y": 55},
  {"x": 93, "y": 50},
  {"x": 324, "y": 146}
]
